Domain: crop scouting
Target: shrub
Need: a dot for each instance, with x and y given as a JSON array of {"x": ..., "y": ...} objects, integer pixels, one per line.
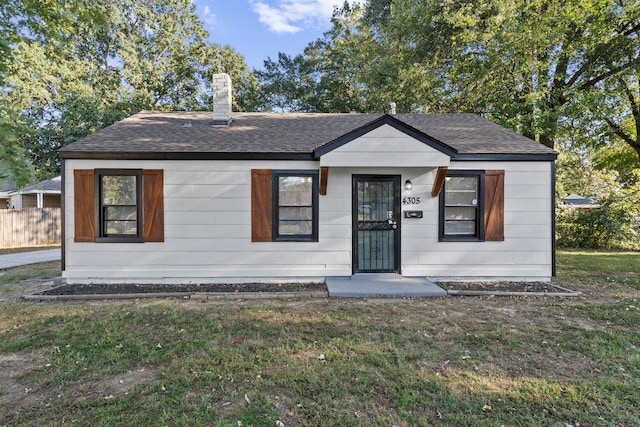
[{"x": 615, "y": 225}]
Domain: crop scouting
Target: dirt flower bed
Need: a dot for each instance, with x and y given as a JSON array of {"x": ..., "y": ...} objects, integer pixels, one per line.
[
  {"x": 503, "y": 287},
  {"x": 105, "y": 289}
]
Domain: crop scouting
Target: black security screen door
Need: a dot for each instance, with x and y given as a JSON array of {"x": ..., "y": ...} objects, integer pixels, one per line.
[{"x": 376, "y": 212}]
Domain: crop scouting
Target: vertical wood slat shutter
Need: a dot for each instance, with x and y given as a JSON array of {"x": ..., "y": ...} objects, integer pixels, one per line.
[
  {"x": 261, "y": 214},
  {"x": 494, "y": 205},
  {"x": 84, "y": 202},
  {"x": 153, "y": 205}
]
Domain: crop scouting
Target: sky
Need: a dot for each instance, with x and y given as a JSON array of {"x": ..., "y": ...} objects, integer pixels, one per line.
[{"x": 258, "y": 29}]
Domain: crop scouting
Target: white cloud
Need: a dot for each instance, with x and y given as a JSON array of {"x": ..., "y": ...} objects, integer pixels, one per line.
[
  {"x": 291, "y": 16},
  {"x": 208, "y": 16}
]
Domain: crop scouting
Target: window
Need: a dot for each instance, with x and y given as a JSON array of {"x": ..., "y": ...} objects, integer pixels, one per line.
[
  {"x": 295, "y": 205},
  {"x": 461, "y": 206},
  {"x": 472, "y": 206},
  {"x": 118, "y": 205},
  {"x": 119, "y": 208},
  {"x": 284, "y": 205}
]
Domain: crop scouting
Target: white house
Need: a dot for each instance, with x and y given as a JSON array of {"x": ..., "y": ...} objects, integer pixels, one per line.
[{"x": 191, "y": 197}]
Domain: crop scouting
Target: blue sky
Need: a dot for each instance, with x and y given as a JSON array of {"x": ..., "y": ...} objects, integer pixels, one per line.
[{"x": 258, "y": 29}]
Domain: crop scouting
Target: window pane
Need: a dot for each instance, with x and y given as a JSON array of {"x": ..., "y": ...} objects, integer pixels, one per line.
[
  {"x": 121, "y": 212},
  {"x": 295, "y": 190},
  {"x": 460, "y": 199},
  {"x": 460, "y": 228},
  {"x": 289, "y": 213},
  {"x": 118, "y": 190},
  {"x": 462, "y": 183},
  {"x": 460, "y": 213},
  {"x": 461, "y": 191},
  {"x": 120, "y": 228},
  {"x": 295, "y": 228}
]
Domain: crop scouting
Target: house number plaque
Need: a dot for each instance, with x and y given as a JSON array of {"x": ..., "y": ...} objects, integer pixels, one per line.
[{"x": 411, "y": 200}]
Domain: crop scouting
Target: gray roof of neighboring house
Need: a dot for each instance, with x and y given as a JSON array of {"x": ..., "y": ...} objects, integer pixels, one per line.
[
  {"x": 158, "y": 135},
  {"x": 52, "y": 185},
  {"x": 574, "y": 199},
  {"x": 6, "y": 186}
]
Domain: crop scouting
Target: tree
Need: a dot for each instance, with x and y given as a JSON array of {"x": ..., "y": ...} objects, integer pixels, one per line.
[
  {"x": 523, "y": 63},
  {"x": 26, "y": 20},
  {"x": 288, "y": 84},
  {"x": 213, "y": 59},
  {"x": 77, "y": 66},
  {"x": 535, "y": 66},
  {"x": 329, "y": 76}
]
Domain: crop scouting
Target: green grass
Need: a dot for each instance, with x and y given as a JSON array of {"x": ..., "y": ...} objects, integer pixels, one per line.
[
  {"x": 602, "y": 266},
  {"x": 12, "y": 280},
  {"x": 456, "y": 361}
]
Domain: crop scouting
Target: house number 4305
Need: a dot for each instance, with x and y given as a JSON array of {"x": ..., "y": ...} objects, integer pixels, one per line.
[{"x": 411, "y": 200}]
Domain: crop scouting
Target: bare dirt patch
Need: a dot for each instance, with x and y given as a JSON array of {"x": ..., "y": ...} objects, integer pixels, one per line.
[
  {"x": 14, "y": 291},
  {"x": 20, "y": 396},
  {"x": 13, "y": 393}
]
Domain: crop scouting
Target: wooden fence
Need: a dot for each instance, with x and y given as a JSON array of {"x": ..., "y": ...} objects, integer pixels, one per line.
[{"x": 29, "y": 227}]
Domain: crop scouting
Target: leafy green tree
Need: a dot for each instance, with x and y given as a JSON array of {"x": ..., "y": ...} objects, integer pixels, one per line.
[
  {"x": 523, "y": 63},
  {"x": 533, "y": 66},
  {"x": 213, "y": 59},
  {"x": 287, "y": 84},
  {"x": 76, "y": 66},
  {"x": 19, "y": 21},
  {"x": 330, "y": 76}
]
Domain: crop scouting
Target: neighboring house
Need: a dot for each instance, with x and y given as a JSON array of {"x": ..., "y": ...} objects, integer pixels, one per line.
[
  {"x": 44, "y": 194},
  {"x": 6, "y": 187},
  {"x": 579, "y": 202},
  {"x": 183, "y": 197}
]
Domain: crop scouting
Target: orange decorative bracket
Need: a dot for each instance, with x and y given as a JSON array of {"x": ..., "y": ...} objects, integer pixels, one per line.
[
  {"x": 324, "y": 177},
  {"x": 439, "y": 181}
]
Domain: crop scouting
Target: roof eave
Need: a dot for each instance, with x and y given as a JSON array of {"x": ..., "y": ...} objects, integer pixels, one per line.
[
  {"x": 136, "y": 155},
  {"x": 507, "y": 157}
]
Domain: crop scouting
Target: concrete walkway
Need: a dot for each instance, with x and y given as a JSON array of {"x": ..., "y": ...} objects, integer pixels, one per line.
[
  {"x": 31, "y": 257},
  {"x": 382, "y": 285}
]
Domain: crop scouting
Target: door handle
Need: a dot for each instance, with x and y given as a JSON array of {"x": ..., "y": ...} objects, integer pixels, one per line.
[{"x": 392, "y": 223}]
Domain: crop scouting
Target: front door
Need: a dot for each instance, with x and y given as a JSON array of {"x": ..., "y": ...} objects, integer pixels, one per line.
[{"x": 376, "y": 224}]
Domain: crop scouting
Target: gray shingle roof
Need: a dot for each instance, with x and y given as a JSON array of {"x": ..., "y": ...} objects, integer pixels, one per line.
[
  {"x": 161, "y": 134},
  {"x": 49, "y": 185}
]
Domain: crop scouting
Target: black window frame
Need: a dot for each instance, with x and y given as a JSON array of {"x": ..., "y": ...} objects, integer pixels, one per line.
[
  {"x": 478, "y": 235},
  {"x": 315, "y": 191},
  {"x": 120, "y": 238}
]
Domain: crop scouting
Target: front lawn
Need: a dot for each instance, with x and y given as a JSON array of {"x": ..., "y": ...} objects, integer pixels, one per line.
[{"x": 452, "y": 361}]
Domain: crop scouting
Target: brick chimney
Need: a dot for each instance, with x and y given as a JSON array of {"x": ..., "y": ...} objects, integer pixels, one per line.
[{"x": 221, "y": 99}]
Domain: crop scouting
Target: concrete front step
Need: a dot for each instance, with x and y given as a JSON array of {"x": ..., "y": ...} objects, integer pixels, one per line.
[{"x": 382, "y": 286}]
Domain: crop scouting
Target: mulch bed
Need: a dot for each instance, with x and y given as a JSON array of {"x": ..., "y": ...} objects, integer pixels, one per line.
[
  {"x": 105, "y": 289},
  {"x": 502, "y": 287},
  {"x": 131, "y": 288}
]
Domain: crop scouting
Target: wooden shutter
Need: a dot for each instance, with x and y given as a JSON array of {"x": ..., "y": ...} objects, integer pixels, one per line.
[
  {"x": 494, "y": 205},
  {"x": 261, "y": 214},
  {"x": 153, "y": 205},
  {"x": 84, "y": 205}
]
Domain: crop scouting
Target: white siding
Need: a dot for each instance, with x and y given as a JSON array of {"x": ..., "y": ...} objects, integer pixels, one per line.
[
  {"x": 207, "y": 231},
  {"x": 525, "y": 253},
  {"x": 208, "y": 228},
  {"x": 385, "y": 147}
]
